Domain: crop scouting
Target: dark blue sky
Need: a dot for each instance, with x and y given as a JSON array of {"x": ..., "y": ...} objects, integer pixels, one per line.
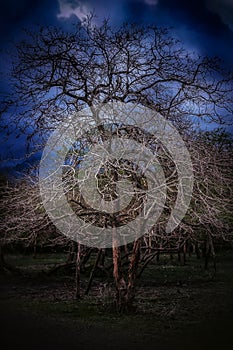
[{"x": 205, "y": 26}]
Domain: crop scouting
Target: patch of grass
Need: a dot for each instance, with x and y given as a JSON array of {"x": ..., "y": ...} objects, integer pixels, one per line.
[
  {"x": 171, "y": 299},
  {"x": 30, "y": 264},
  {"x": 169, "y": 272},
  {"x": 21, "y": 260}
]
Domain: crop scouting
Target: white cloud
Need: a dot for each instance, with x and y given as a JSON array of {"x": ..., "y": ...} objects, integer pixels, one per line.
[
  {"x": 72, "y": 7},
  {"x": 151, "y": 2}
]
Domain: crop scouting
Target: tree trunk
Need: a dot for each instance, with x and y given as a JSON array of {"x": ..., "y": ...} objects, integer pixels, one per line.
[
  {"x": 93, "y": 271},
  {"x": 72, "y": 250},
  {"x": 120, "y": 284},
  {"x": 119, "y": 280},
  {"x": 77, "y": 272},
  {"x": 132, "y": 273},
  {"x": 35, "y": 248},
  {"x": 212, "y": 250},
  {"x": 184, "y": 253},
  {"x": 197, "y": 250},
  {"x": 102, "y": 257}
]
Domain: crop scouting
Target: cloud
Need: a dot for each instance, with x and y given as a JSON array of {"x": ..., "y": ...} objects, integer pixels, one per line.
[
  {"x": 151, "y": 2},
  {"x": 224, "y": 9},
  {"x": 72, "y": 7},
  {"x": 101, "y": 9}
]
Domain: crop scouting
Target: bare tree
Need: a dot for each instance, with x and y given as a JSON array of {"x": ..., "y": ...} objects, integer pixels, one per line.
[{"x": 56, "y": 74}]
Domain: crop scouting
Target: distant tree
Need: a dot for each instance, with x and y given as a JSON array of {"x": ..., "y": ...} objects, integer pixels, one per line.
[
  {"x": 219, "y": 138},
  {"x": 23, "y": 217}
]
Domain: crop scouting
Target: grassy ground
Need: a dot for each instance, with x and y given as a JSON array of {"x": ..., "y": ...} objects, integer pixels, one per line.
[{"x": 183, "y": 306}]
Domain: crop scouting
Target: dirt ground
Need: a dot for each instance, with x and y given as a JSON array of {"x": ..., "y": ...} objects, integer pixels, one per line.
[{"x": 38, "y": 312}]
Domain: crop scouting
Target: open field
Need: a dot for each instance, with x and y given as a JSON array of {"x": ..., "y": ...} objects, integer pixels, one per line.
[{"x": 176, "y": 305}]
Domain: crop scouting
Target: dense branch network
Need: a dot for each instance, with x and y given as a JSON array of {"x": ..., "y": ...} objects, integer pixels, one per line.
[{"x": 56, "y": 74}]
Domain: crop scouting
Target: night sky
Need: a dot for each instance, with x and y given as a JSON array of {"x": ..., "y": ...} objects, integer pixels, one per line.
[{"x": 205, "y": 26}]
